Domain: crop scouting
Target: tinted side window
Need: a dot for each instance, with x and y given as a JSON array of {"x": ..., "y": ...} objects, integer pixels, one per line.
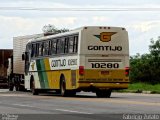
[
  {"x": 75, "y": 49},
  {"x": 71, "y": 41},
  {"x": 63, "y": 45},
  {"x": 60, "y": 45},
  {"x": 50, "y": 48},
  {"x": 41, "y": 48},
  {"x": 37, "y": 49},
  {"x": 66, "y": 45},
  {"x": 28, "y": 51},
  {"x": 54, "y": 46},
  {"x": 33, "y": 50},
  {"x": 46, "y": 48}
]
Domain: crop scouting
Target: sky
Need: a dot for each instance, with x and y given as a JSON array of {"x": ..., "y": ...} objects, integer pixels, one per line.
[{"x": 141, "y": 18}]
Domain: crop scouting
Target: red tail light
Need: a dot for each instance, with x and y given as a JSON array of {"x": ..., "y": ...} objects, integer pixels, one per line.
[
  {"x": 126, "y": 71},
  {"x": 81, "y": 70}
]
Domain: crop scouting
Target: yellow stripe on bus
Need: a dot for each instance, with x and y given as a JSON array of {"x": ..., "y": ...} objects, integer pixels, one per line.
[{"x": 49, "y": 73}]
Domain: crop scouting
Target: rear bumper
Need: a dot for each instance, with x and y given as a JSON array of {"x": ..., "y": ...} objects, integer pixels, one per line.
[{"x": 114, "y": 86}]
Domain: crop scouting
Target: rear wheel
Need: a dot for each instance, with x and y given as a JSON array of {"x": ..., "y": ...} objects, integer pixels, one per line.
[
  {"x": 99, "y": 94},
  {"x": 103, "y": 93},
  {"x": 108, "y": 93},
  {"x": 33, "y": 90},
  {"x": 17, "y": 86},
  {"x": 63, "y": 91},
  {"x": 63, "y": 87}
]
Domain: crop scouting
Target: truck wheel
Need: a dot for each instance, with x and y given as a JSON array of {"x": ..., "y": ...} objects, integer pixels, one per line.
[
  {"x": 11, "y": 88},
  {"x": 17, "y": 87},
  {"x": 21, "y": 88},
  {"x": 63, "y": 87},
  {"x": 33, "y": 90}
]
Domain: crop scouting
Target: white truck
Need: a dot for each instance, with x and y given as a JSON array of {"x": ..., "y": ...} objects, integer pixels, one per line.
[{"x": 16, "y": 66}]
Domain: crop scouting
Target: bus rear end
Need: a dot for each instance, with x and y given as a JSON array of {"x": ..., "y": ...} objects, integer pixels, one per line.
[{"x": 104, "y": 60}]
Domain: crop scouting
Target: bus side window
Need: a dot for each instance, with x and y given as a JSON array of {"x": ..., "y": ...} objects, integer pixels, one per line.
[
  {"x": 62, "y": 43},
  {"x": 58, "y": 46},
  {"x": 28, "y": 51},
  {"x": 50, "y": 48},
  {"x": 41, "y": 49},
  {"x": 37, "y": 49},
  {"x": 71, "y": 44},
  {"x": 33, "y": 50},
  {"x": 75, "y": 44},
  {"x": 46, "y": 48},
  {"x": 66, "y": 45},
  {"x": 53, "y": 46}
]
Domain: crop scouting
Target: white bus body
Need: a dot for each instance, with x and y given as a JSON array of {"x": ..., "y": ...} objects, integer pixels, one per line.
[{"x": 86, "y": 59}]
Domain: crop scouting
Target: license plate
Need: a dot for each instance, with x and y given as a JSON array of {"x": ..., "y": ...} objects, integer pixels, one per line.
[{"x": 105, "y": 72}]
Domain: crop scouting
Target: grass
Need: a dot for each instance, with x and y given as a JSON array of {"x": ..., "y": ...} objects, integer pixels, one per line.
[{"x": 139, "y": 87}]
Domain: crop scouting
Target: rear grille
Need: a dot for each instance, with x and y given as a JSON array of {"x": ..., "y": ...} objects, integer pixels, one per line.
[{"x": 104, "y": 60}]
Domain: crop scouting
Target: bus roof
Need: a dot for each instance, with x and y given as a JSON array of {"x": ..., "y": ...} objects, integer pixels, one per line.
[{"x": 74, "y": 31}]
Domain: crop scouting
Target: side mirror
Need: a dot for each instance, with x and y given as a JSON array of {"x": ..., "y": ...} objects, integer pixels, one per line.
[{"x": 23, "y": 57}]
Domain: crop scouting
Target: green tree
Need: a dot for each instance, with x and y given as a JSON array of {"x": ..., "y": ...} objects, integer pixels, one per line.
[
  {"x": 140, "y": 71},
  {"x": 155, "y": 48},
  {"x": 146, "y": 67},
  {"x": 134, "y": 65},
  {"x": 155, "y": 59},
  {"x": 51, "y": 30}
]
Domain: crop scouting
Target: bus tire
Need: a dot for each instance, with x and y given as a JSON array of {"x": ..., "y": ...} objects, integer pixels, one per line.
[
  {"x": 108, "y": 93},
  {"x": 33, "y": 90},
  {"x": 99, "y": 93},
  {"x": 63, "y": 90},
  {"x": 103, "y": 93}
]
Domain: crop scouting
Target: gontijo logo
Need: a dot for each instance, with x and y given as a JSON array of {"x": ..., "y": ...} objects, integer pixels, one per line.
[{"x": 105, "y": 36}]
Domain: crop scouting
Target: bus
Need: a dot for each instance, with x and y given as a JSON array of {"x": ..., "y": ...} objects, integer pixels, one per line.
[{"x": 90, "y": 59}]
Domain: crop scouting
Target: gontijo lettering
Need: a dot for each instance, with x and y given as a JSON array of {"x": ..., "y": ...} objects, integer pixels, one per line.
[
  {"x": 105, "y": 48},
  {"x": 58, "y": 63},
  {"x": 63, "y": 62}
]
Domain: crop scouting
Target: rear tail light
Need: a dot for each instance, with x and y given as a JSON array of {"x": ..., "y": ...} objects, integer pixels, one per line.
[
  {"x": 127, "y": 71},
  {"x": 81, "y": 70}
]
